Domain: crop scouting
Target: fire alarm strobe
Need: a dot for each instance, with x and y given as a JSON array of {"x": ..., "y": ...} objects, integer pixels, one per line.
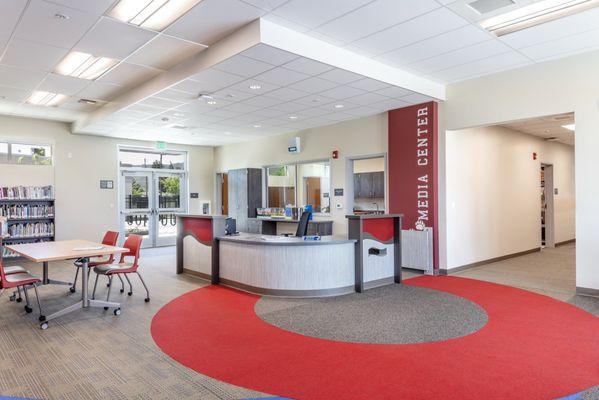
[{"x": 335, "y": 154}]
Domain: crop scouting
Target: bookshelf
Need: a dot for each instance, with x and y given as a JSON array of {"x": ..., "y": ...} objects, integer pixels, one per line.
[{"x": 29, "y": 213}]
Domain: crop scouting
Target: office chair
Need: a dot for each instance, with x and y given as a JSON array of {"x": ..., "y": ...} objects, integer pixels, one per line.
[
  {"x": 302, "y": 227},
  {"x": 133, "y": 244},
  {"x": 21, "y": 280},
  {"x": 110, "y": 239}
]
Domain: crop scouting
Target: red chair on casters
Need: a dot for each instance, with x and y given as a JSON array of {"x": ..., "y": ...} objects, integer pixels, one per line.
[
  {"x": 133, "y": 244},
  {"x": 21, "y": 280},
  {"x": 109, "y": 239}
]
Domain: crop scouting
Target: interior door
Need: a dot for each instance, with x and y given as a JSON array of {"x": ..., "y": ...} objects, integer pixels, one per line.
[
  {"x": 137, "y": 205},
  {"x": 225, "y": 194},
  {"x": 169, "y": 199},
  {"x": 313, "y": 193}
]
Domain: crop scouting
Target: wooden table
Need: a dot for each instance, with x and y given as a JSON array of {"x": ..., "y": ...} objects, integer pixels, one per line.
[{"x": 45, "y": 252}]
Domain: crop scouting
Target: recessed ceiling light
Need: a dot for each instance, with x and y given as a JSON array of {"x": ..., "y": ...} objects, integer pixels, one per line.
[
  {"x": 87, "y": 101},
  {"x": 293, "y": 117},
  {"x": 151, "y": 14},
  {"x": 339, "y": 106},
  {"x": 164, "y": 119},
  {"x": 61, "y": 16},
  {"x": 40, "y": 98},
  {"x": 84, "y": 66},
  {"x": 569, "y": 127},
  {"x": 257, "y": 126},
  {"x": 255, "y": 86},
  {"x": 230, "y": 95},
  {"x": 535, "y": 14},
  {"x": 211, "y": 102}
]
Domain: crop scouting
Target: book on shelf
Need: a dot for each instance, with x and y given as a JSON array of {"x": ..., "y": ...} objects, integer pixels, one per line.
[
  {"x": 26, "y": 193},
  {"x": 24, "y": 211},
  {"x": 3, "y": 227},
  {"x": 31, "y": 229}
]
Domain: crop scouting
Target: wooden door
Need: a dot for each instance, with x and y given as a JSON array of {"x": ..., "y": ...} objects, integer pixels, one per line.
[
  {"x": 225, "y": 194},
  {"x": 313, "y": 193}
]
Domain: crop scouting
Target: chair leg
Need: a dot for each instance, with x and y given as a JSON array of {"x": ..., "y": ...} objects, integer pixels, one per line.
[
  {"x": 130, "y": 285},
  {"x": 109, "y": 288},
  {"x": 19, "y": 299},
  {"x": 28, "y": 308},
  {"x": 73, "y": 289},
  {"x": 143, "y": 283},
  {"x": 95, "y": 286},
  {"x": 42, "y": 317},
  {"x": 122, "y": 283}
]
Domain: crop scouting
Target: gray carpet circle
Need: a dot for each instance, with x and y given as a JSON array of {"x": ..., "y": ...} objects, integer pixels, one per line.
[{"x": 393, "y": 314}]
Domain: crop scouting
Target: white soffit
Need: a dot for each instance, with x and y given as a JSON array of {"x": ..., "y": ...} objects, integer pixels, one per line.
[{"x": 302, "y": 79}]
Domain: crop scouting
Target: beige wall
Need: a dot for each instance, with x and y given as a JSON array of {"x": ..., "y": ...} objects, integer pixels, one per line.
[
  {"x": 369, "y": 165},
  {"x": 553, "y": 87},
  {"x": 493, "y": 193},
  {"x": 83, "y": 210},
  {"x": 360, "y": 137}
]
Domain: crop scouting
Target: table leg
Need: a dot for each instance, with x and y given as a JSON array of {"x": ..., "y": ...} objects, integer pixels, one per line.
[
  {"x": 46, "y": 278},
  {"x": 84, "y": 277}
]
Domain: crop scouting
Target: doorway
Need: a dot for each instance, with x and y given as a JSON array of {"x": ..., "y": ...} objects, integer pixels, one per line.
[
  {"x": 149, "y": 202},
  {"x": 547, "y": 206},
  {"x": 222, "y": 193}
]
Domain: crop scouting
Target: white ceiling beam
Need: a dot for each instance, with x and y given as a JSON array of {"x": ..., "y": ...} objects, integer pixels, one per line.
[{"x": 307, "y": 46}]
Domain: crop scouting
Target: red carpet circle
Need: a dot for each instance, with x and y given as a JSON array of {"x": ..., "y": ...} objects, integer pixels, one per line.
[{"x": 533, "y": 347}]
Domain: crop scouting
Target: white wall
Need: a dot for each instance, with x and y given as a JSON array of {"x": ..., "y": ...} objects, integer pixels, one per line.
[
  {"x": 365, "y": 136},
  {"x": 83, "y": 210},
  {"x": 493, "y": 193},
  {"x": 553, "y": 87}
]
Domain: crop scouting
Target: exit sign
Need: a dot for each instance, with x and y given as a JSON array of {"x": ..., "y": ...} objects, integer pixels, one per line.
[{"x": 160, "y": 145}]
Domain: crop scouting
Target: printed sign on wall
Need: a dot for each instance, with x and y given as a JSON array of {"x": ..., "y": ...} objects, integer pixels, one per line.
[{"x": 413, "y": 168}]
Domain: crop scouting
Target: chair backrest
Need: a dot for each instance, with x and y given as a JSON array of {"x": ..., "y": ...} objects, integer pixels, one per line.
[
  {"x": 302, "y": 227},
  {"x": 133, "y": 244},
  {"x": 2, "y": 276},
  {"x": 110, "y": 239}
]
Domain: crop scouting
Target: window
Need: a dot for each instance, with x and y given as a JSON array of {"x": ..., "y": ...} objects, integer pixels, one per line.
[
  {"x": 138, "y": 158},
  {"x": 26, "y": 154},
  {"x": 300, "y": 185}
]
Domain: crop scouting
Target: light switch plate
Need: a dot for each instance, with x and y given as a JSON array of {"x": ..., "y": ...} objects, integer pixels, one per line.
[{"x": 339, "y": 206}]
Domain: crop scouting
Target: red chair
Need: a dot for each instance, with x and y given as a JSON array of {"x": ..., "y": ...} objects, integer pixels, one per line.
[
  {"x": 21, "y": 280},
  {"x": 109, "y": 239},
  {"x": 133, "y": 244}
]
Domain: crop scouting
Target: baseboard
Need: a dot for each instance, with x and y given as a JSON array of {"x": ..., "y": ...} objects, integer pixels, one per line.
[
  {"x": 489, "y": 261},
  {"x": 565, "y": 242},
  {"x": 582, "y": 291},
  {"x": 198, "y": 274}
]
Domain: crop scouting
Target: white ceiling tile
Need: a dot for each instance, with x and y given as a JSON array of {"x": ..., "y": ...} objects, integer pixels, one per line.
[
  {"x": 20, "y": 77},
  {"x": 245, "y": 87},
  {"x": 164, "y": 52},
  {"x": 195, "y": 88},
  {"x": 390, "y": 104},
  {"x": 243, "y": 66},
  {"x": 100, "y": 91},
  {"x": 446, "y": 42},
  {"x": 483, "y": 67},
  {"x": 461, "y": 56},
  {"x": 129, "y": 74},
  {"x": 148, "y": 110},
  {"x": 307, "y": 66},
  {"x": 268, "y": 112},
  {"x": 176, "y": 95},
  {"x": 568, "y": 45},
  {"x": 95, "y": 7},
  {"x": 340, "y": 76},
  {"x": 312, "y": 13},
  {"x": 40, "y": 24},
  {"x": 573, "y": 24},
  {"x": 425, "y": 26},
  {"x": 363, "y": 111},
  {"x": 281, "y": 76},
  {"x": 11, "y": 12},
  {"x": 114, "y": 39},
  {"x": 375, "y": 17},
  {"x": 261, "y": 101},
  {"x": 269, "y": 54},
  {"x": 211, "y": 20},
  {"x": 63, "y": 84},
  {"x": 367, "y": 99},
  {"x": 416, "y": 98},
  {"x": 32, "y": 55},
  {"x": 286, "y": 94},
  {"x": 313, "y": 100},
  {"x": 394, "y": 92},
  {"x": 289, "y": 107},
  {"x": 341, "y": 92},
  {"x": 241, "y": 108},
  {"x": 369, "y": 84},
  {"x": 267, "y": 5},
  {"x": 160, "y": 102},
  {"x": 13, "y": 94},
  {"x": 77, "y": 106},
  {"x": 216, "y": 79},
  {"x": 232, "y": 95},
  {"x": 313, "y": 85},
  {"x": 313, "y": 112}
]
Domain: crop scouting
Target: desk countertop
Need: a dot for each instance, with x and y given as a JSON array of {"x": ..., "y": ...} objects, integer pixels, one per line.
[
  {"x": 295, "y": 221},
  {"x": 271, "y": 240}
]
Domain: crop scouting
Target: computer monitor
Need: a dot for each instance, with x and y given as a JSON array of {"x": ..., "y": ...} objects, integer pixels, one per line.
[{"x": 230, "y": 226}]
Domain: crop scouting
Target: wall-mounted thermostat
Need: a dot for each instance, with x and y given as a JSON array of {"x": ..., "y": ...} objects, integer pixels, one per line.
[{"x": 294, "y": 145}]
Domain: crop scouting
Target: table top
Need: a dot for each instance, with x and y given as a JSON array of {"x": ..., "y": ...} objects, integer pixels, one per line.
[
  {"x": 62, "y": 250},
  {"x": 272, "y": 240}
]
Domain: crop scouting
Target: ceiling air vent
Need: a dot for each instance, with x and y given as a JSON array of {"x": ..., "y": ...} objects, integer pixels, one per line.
[{"x": 487, "y": 6}]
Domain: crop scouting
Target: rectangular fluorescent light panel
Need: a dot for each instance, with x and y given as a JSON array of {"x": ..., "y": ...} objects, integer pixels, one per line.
[
  {"x": 151, "y": 14},
  {"x": 84, "y": 66},
  {"x": 48, "y": 99},
  {"x": 569, "y": 127},
  {"x": 535, "y": 14}
]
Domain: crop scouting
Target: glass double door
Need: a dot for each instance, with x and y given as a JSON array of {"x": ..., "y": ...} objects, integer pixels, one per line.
[{"x": 149, "y": 202}]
